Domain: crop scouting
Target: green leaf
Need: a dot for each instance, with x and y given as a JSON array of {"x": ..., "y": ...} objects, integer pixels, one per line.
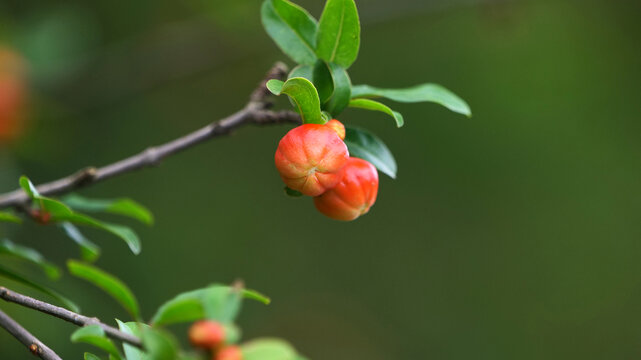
[
  {"x": 27, "y": 254},
  {"x": 215, "y": 302},
  {"x": 95, "y": 335},
  {"x": 368, "y": 104},
  {"x": 124, "y": 206},
  {"x": 131, "y": 328},
  {"x": 339, "y": 33},
  {"x": 4, "y": 272},
  {"x": 304, "y": 95},
  {"x": 367, "y": 146},
  {"x": 342, "y": 90},
  {"x": 159, "y": 344},
  {"x": 108, "y": 283},
  {"x": 123, "y": 232},
  {"x": 90, "y": 356},
  {"x": 292, "y": 193},
  {"x": 9, "y": 217},
  {"x": 304, "y": 71},
  {"x": 420, "y": 93},
  {"x": 255, "y": 295},
  {"x": 268, "y": 349},
  {"x": 88, "y": 250},
  {"x": 28, "y": 187},
  {"x": 54, "y": 207},
  {"x": 322, "y": 80},
  {"x": 292, "y": 28}
]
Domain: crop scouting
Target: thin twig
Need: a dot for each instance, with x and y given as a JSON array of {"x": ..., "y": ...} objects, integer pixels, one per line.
[
  {"x": 31, "y": 342},
  {"x": 67, "y": 315},
  {"x": 255, "y": 112}
]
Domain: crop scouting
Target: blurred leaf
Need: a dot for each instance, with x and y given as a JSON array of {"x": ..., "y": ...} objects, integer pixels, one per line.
[
  {"x": 9, "y": 217},
  {"x": 215, "y": 302},
  {"x": 4, "y": 272},
  {"x": 304, "y": 71},
  {"x": 30, "y": 255},
  {"x": 88, "y": 250},
  {"x": 367, "y": 146},
  {"x": 339, "y": 33},
  {"x": 159, "y": 344},
  {"x": 368, "y": 104},
  {"x": 123, "y": 232},
  {"x": 304, "y": 94},
  {"x": 342, "y": 90},
  {"x": 292, "y": 28},
  {"x": 125, "y": 207},
  {"x": 28, "y": 187},
  {"x": 131, "y": 328},
  {"x": 292, "y": 193},
  {"x": 53, "y": 207},
  {"x": 255, "y": 295},
  {"x": 108, "y": 283},
  {"x": 268, "y": 349},
  {"x": 95, "y": 335},
  {"x": 420, "y": 93},
  {"x": 90, "y": 356}
]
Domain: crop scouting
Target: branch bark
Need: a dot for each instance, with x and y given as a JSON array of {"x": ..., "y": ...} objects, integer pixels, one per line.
[
  {"x": 31, "y": 342},
  {"x": 67, "y": 315},
  {"x": 255, "y": 112}
]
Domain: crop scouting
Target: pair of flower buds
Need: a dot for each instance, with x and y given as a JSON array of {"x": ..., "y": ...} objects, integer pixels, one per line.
[{"x": 314, "y": 160}]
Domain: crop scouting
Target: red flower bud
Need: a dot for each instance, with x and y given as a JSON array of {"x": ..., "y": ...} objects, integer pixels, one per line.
[
  {"x": 12, "y": 94},
  {"x": 229, "y": 353},
  {"x": 353, "y": 195},
  {"x": 206, "y": 334},
  {"x": 338, "y": 127},
  {"x": 309, "y": 158},
  {"x": 42, "y": 217}
]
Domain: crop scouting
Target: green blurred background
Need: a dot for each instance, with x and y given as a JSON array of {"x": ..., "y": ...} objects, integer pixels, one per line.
[{"x": 511, "y": 235}]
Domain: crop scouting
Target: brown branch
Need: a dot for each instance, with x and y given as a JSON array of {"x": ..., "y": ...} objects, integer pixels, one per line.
[
  {"x": 255, "y": 112},
  {"x": 67, "y": 315},
  {"x": 31, "y": 342}
]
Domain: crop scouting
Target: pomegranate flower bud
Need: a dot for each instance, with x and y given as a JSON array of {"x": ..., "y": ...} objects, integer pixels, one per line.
[{"x": 309, "y": 158}]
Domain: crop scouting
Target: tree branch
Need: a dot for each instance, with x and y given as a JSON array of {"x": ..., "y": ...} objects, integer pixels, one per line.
[
  {"x": 255, "y": 112},
  {"x": 31, "y": 342},
  {"x": 67, "y": 315}
]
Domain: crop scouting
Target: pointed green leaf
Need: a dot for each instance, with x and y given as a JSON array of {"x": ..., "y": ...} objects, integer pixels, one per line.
[
  {"x": 292, "y": 28},
  {"x": 108, "y": 283},
  {"x": 27, "y": 254},
  {"x": 90, "y": 356},
  {"x": 268, "y": 349},
  {"x": 420, "y": 93},
  {"x": 131, "y": 328},
  {"x": 255, "y": 295},
  {"x": 28, "y": 187},
  {"x": 124, "y": 206},
  {"x": 123, "y": 232},
  {"x": 368, "y": 104},
  {"x": 95, "y": 335},
  {"x": 159, "y": 344},
  {"x": 342, "y": 90},
  {"x": 339, "y": 33},
  {"x": 367, "y": 146},
  {"x": 215, "y": 302},
  {"x": 9, "y": 217},
  {"x": 304, "y": 95},
  {"x": 88, "y": 250},
  {"x": 4, "y": 272}
]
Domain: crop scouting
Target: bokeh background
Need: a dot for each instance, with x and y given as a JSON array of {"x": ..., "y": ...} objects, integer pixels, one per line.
[{"x": 511, "y": 235}]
